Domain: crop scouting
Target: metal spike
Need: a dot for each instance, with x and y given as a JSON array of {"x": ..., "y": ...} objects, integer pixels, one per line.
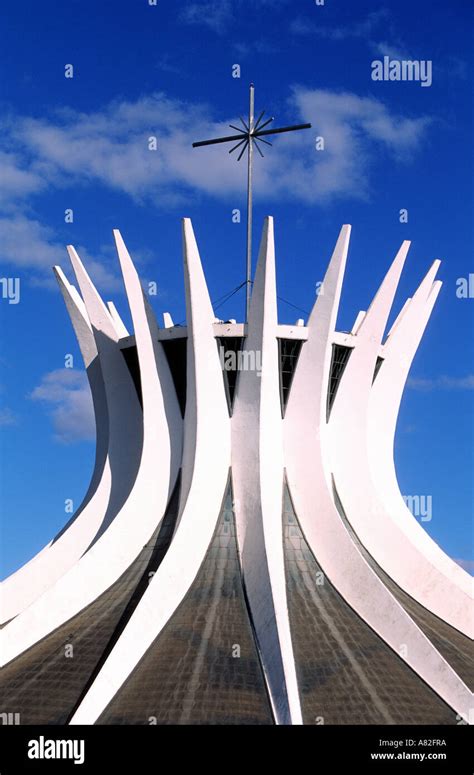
[
  {"x": 243, "y": 150},
  {"x": 258, "y": 121},
  {"x": 256, "y": 146},
  {"x": 244, "y": 123},
  {"x": 259, "y": 129},
  {"x": 238, "y": 145}
]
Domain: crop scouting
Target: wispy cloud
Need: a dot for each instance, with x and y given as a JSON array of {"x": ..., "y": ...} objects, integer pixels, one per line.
[
  {"x": 442, "y": 383},
  {"x": 362, "y": 29},
  {"x": 378, "y": 31},
  {"x": 215, "y": 14},
  {"x": 28, "y": 244},
  {"x": 256, "y": 46},
  {"x": 67, "y": 396},
  {"x": 7, "y": 417},
  {"x": 368, "y": 29},
  {"x": 384, "y": 49},
  {"x": 219, "y": 15},
  {"x": 356, "y": 130},
  {"x": 110, "y": 148},
  {"x": 166, "y": 64},
  {"x": 19, "y": 178}
]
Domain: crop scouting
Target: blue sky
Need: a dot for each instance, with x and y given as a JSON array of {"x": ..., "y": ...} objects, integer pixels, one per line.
[{"x": 166, "y": 71}]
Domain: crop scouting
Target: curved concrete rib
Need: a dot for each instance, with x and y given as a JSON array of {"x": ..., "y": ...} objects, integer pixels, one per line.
[
  {"x": 146, "y": 450},
  {"x": 158, "y": 393},
  {"x": 126, "y": 535},
  {"x": 28, "y": 583},
  {"x": 408, "y": 566},
  {"x": 206, "y": 460},
  {"x": 399, "y": 352},
  {"x": 120, "y": 392},
  {"x": 83, "y": 330},
  {"x": 399, "y": 318},
  {"x": 119, "y": 324},
  {"x": 325, "y": 533},
  {"x": 258, "y": 485}
]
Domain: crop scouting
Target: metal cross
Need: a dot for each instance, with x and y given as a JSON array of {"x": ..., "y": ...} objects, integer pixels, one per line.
[{"x": 248, "y": 137}]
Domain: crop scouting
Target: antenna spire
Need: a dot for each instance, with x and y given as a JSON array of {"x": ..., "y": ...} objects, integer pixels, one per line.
[{"x": 247, "y": 138}]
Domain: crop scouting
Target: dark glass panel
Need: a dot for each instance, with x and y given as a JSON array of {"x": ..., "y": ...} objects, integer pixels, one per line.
[
  {"x": 175, "y": 351},
  {"x": 346, "y": 673},
  {"x": 130, "y": 355},
  {"x": 340, "y": 357},
  {"x": 454, "y": 646},
  {"x": 289, "y": 351},
  {"x": 46, "y": 683},
  {"x": 229, "y": 348},
  {"x": 378, "y": 364},
  {"x": 203, "y": 668}
]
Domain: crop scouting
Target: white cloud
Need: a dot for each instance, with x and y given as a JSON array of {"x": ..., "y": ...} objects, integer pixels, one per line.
[
  {"x": 67, "y": 395},
  {"x": 355, "y": 129},
  {"x": 17, "y": 179},
  {"x": 382, "y": 48},
  {"x": 7, "y": 417},
  {"x": 111, "y": 148},
  {"x": 216, "y": 14},
  {"x": 27, "y": 244},
  {"x": 442, "y": 383},
  {"x": 256, "y": 46},
  {"x": 363, "y": 29},
  {"x": 300, "y": 26},
  {"x": 377, "y": 30}
]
